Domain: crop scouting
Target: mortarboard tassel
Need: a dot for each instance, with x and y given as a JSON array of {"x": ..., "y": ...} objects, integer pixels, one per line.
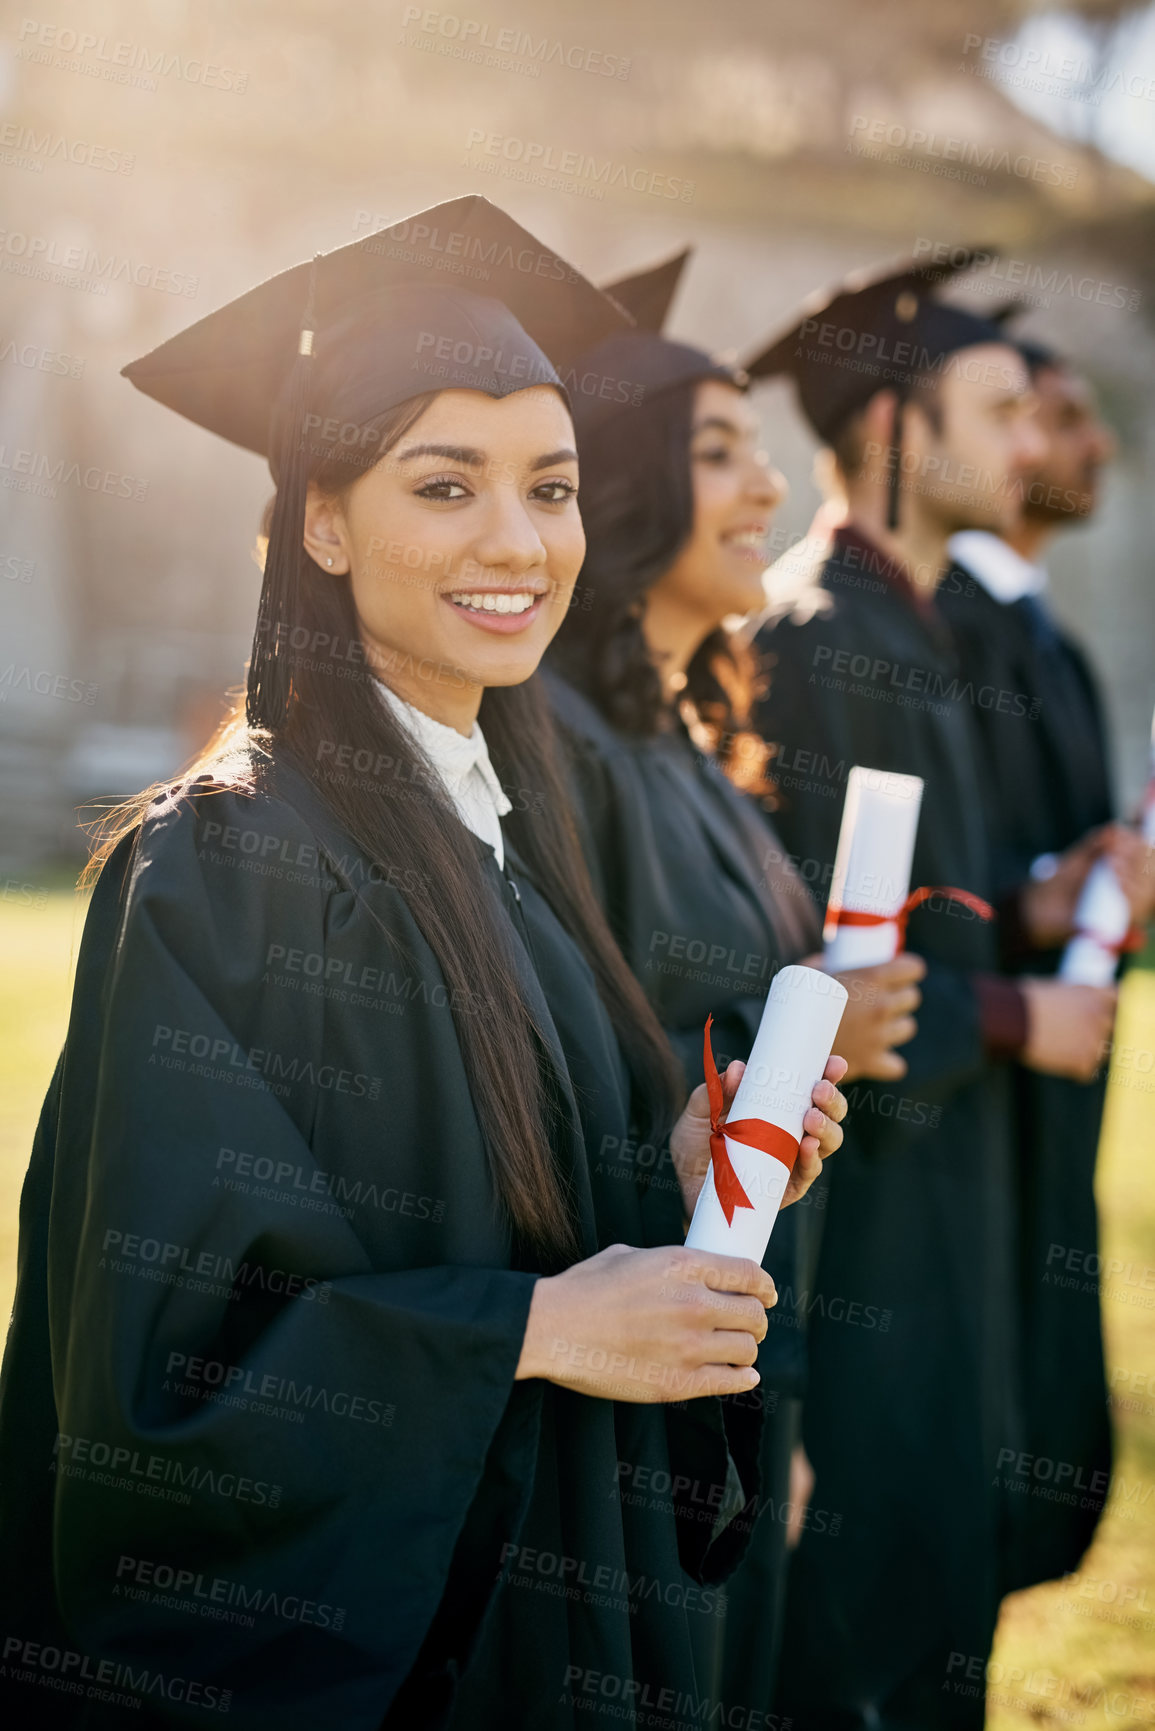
[
  {"x": 270, "y": 682},
  {"x": 895, "y": 473}
]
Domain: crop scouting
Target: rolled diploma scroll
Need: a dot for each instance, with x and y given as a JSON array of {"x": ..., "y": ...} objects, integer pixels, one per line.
[
  {"x": 1103, "y": 916},
  {"x": 872, "y": 866},
  {"x": 1102, "y": 921},
  {"x": 793, "y": 1042}
]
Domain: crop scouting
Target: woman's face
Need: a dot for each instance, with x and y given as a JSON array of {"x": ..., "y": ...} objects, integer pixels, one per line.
[
  {"x": 718, "y": 571},
  {"x": 462, "y": 544}
]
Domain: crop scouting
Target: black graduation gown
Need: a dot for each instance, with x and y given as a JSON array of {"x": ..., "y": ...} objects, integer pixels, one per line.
[
  {"x": 912, "y": 1387},
  {"x": 706, "y": 909},
  {"x": 1046, "y": 771},
  {"x": 259, "y": 1428}
]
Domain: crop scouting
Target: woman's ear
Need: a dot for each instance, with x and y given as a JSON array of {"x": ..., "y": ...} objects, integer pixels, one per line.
[{"x": 326, "y": 534}]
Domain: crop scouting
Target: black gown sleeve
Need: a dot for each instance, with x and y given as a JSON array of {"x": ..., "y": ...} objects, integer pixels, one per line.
[{"x": 268, "y": 1376}]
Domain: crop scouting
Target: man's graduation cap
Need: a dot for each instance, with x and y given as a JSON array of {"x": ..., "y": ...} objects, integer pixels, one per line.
[
  {"x": 629, "y": 368},
  {"x": 1038, "y": 356},
  {"x": 876, "y": 330},
  {"x": 457, "y": 297}
]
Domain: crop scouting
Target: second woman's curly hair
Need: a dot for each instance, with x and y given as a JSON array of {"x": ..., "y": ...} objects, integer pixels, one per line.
[{"x": 637, "y": 506}]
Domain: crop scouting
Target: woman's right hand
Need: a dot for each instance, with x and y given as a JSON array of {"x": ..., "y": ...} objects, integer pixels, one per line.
[
  {"x": 879, "y": 1015},
  {"x": 649, "y": 1325}
]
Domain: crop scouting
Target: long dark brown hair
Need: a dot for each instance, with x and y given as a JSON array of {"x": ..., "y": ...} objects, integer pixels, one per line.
[
  {"x": 637, "y": 504},
  {"x": 335, "y": 699}
]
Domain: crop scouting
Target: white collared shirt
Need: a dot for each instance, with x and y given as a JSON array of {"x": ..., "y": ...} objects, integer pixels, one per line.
[
  {"x": 463, "y": 765},
  {"x": 1004, "y": 574}
]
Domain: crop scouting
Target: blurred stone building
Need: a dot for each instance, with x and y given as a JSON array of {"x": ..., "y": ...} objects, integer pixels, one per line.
[{"x": 159, "y": 158}]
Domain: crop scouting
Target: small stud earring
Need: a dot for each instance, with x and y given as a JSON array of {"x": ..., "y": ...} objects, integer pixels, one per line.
[{"x": 328, "y": 561}]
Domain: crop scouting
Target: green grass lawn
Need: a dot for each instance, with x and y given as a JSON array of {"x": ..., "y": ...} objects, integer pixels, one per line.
[
  {"x": 38, "y": 945},
  {"x": 1080, "y": 1652}
]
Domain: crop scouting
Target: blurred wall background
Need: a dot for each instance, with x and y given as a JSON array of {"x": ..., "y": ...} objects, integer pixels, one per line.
[{"x": 158, "y": 157}]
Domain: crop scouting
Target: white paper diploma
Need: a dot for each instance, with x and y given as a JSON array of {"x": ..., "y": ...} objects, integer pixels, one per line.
[
  {"x": 872, "y": 866},
  {"x": 1102, "y": 921},
  {"x": 1148, "y": 820},
  {"x": 1103, "y": 915},
  {"x": 790, "y": 1050}
]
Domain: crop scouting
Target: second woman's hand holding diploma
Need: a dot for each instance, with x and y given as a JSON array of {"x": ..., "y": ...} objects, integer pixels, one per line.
[{"x": 670, "y": 1323}]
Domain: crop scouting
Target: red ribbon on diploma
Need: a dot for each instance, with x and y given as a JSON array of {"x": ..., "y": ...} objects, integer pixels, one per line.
[
  {"x": 750, "y": 1132},
  {"x": 852, "y": 916},
  {"x": 1134, "y": 939}
]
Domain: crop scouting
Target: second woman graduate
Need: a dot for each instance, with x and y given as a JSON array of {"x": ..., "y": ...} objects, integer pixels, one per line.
[
  {"x": 331, "y": 1337},
  {"x": 651, "y": 691}
]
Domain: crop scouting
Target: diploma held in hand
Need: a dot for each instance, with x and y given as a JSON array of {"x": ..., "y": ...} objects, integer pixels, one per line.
[
  {"x": 753, "y": 1154},
  {"x": 1103, "y": 914},
  {"x": 1102, "y": 930},
  {"x": 864, "y": 916}
]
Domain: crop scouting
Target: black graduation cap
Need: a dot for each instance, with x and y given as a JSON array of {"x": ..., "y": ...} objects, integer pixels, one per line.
[
  {"x": 880, "y": 329},
  {"x": 458, "y": 296},
  {"x": 632, "y": 366},
  {"x": 647, "y": 295},
  {"x": 1038, "y": 356}
]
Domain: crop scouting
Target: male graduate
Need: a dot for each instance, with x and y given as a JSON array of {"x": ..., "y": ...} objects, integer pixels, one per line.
[
  {"x": 1047, "y": 776},
  {"x": 914, "y": 1403}
]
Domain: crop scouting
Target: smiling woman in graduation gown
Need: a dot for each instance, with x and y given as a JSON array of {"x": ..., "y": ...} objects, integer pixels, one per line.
[
  {"x": 697, "y": 888},
  {"x": 280, "y": 1436}
]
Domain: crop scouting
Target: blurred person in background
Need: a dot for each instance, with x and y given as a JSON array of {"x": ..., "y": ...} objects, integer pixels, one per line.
[
  {"x": 652, "y": 694},
  {"x": 1047, "y": 781},
  {"x": 927, "y": 409}
]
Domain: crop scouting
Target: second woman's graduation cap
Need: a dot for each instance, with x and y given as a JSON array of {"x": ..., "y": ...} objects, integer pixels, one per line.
[
  {"x": 629, "y": 368},
  {"x": 648, "y": 295},
  {"x": 456, "y": 297},
  {"x": 876, "y": 330}
]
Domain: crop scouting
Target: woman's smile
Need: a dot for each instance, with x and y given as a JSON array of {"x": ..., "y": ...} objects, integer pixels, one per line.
[
  {"x": 507, "y": 610},
  {"x": 748, "y": 542}
]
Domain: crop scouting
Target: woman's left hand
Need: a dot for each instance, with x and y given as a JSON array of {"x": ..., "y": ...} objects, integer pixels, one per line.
[{"x": 822, "y": 1126}]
